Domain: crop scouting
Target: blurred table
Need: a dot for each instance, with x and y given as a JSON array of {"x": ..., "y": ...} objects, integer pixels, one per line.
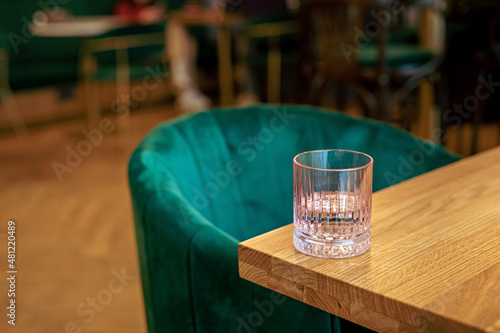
[
  {"x": 77, "y": 26},
  {"x": 223, "y": 22},
  {"x": 434, "y": 262}
]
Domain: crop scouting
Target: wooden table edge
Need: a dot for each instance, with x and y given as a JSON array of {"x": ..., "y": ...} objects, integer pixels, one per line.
[{"x": 356, "y": 313}]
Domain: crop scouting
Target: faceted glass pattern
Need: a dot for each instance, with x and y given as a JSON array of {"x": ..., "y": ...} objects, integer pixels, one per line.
[{"x": 332, "y": 203}]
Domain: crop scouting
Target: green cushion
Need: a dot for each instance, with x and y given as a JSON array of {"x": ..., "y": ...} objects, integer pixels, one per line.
[
  {"x": 4, "y": 42},
  {"x": 41, "y": 73},
  {"x": 204, "y": 182},
  {"x": 404, "y": 35},
  {"x": 398, "y": 55}
]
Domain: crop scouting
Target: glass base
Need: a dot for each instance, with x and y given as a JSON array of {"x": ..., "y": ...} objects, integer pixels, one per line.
[{"x": 322, "y": 248}]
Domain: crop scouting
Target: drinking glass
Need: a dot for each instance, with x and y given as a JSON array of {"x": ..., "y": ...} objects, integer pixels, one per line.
[{"x": 332, "y": 203}]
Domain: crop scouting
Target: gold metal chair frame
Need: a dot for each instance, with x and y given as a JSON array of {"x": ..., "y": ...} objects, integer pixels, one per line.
[
  {"x": 411, "y": 78},
  {"x": 88, "y": 63},
  {"x": 272, "y": 31}
]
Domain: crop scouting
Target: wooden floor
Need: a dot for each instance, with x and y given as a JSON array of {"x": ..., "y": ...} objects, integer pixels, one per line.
[{"x": 74, "y": 236}]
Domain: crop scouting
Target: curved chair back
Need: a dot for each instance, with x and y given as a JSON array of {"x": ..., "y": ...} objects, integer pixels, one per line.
[{"x": 202, "y": 183}]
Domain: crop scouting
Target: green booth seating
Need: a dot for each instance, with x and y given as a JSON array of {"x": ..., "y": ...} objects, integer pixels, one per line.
[
  {"x": 41, "y": 61},
  {"x": 51, "y": 61},
  {"x": 204, "y": 182}
]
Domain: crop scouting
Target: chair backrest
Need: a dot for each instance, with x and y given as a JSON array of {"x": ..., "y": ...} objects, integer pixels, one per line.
[
  {"x": 236, "y": 165},
  {"x": 140, "y": 40},
  {"x": 203, "y": 182},
  {"x": 131, "y": 47},
  {"x": 337, "y": 30},
  {"x": 330, "y": 29}
]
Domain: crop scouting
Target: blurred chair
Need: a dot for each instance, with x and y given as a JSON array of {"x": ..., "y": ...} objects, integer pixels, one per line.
[
  {"x": 40, "y": 61},
  {"x": 121, "y": 55},
  {"x": 272, "y": 41},
  {"x": 325, "y": 27},
  {"x": 339, "y": 48},
  {"x": 199, "y": 186},
  {"x": 488, "y": 61}
]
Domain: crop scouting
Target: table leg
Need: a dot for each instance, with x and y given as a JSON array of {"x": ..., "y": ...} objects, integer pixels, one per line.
[
  {"x": 123, "y": 90},
  {"x": 430, "y": 31},
  {"x": 225, "y": 66},
  {"x": 274, "y": 71},
  {"x": 426, "y": 122},
  {"x": 91, "y": 90}
]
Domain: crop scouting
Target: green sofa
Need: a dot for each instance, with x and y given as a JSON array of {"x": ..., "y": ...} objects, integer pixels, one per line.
[{"x": 204, "y": 182}]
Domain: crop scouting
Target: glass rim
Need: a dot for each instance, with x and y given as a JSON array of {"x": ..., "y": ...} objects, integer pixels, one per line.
[{"x": 344, "y": 150}]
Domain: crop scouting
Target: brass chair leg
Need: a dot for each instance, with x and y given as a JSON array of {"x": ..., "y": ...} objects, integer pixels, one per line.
[
  {"x": 241, "y": 72},
  {"x": 18, "y": 125},
  {"x": 91, "y": 88},
  {"x": 123, "y": 94},
  {"x": 274, "y": 70},
  {"x": 368, "y": 99},
  {"x": 225, "y": 66},
  {"x": 86, "y": 72}
]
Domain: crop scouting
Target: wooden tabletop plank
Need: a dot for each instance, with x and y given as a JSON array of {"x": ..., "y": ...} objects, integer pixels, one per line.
[{"x": 434, "y": 262}]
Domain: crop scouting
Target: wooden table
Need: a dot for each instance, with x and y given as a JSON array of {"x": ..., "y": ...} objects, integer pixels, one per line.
[{"x": 434, "y": 262}]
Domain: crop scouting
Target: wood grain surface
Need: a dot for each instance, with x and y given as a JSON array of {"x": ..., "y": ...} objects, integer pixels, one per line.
[{"x": 434, "y": 262}]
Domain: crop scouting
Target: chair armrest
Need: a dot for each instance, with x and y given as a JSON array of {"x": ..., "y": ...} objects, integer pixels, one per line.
[
  {"x": 189, "y": 267},
  {"x": 124, "y": 42},
  {"x": 271, "y": 29}
]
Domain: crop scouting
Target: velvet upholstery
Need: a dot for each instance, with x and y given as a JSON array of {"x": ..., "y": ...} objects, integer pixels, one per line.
[
  {"x": 204, "y": 182},
  {"x": 397, "y": 55}
]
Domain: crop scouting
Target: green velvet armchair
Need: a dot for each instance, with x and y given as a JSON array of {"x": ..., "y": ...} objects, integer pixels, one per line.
[{"x": 204, "y": 182}]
